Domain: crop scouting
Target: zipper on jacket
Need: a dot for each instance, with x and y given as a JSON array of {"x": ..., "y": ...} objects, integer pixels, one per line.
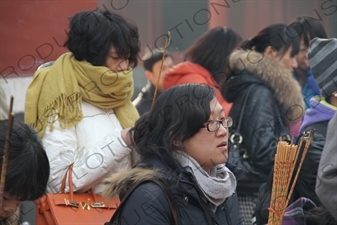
[
  {"x": 229, "y": 221},
  {"x": 202, "y": 203}
]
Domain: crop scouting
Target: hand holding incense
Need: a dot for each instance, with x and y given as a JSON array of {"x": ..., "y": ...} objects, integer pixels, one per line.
[{"x": 284, "y": 179}]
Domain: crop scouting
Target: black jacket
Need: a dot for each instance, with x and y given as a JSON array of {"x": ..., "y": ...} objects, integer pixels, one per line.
[
  {"x": 143, "y": 101},
  {"x": 275, "y": 100},
  {"x": 148, "y": 204}
]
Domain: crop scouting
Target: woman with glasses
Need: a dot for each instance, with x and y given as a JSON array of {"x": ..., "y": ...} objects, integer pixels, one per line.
[{"x": 183, "y": 176}]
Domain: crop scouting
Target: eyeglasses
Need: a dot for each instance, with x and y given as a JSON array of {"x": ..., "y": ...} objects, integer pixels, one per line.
[{"x": 214, "y": 125}]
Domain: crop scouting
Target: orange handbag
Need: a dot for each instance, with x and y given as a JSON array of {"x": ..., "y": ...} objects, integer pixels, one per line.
[{"x": 74, "y": 208}]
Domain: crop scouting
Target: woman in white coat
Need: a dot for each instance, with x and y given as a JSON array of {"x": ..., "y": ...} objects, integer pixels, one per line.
[{"x": 80, "y": 104}]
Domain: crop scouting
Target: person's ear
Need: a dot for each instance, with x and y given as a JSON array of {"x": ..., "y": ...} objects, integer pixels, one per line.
[
  {"x": 148, "y": 74},
  {"x": 270, "y": 52},
  {"x": 178, "y": 144}
]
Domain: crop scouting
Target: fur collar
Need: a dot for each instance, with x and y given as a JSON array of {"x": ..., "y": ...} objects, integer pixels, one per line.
[
  {"x": 120, "y": 182},
  {"x": 286, "y": 88}
]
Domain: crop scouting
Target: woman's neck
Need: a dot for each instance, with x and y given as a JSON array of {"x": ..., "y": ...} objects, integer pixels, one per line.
[
  {"x": 333, "y": 101},
  {"x": 301, "y": 77}
]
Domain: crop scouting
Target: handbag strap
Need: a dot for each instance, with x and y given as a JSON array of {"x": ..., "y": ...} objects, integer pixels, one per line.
[
  {"x": 243, "y": 107},
  {"x": 70, "y": 182},
  {"x": 63, "y": 184},
  {"x": 281, "y": 135},
  {"x": 170, "y": 201},
  {"x": 236, "y": 137},
  {"x": 69, "y": 174}
]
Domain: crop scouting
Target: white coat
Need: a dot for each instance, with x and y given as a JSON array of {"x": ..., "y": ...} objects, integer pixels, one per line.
[{"x": 94, "y": 145}]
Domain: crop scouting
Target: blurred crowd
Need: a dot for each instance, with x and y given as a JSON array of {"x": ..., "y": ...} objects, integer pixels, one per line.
[{"x": 206, "y": 128}]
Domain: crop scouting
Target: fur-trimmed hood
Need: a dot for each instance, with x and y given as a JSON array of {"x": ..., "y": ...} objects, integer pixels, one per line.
[
  {"x": 270, "y": 73},
  {"x": 120, "y": 182}
]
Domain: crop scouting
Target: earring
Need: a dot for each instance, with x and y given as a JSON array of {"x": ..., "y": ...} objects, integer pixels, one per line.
[{"x": 335, "y": 95}]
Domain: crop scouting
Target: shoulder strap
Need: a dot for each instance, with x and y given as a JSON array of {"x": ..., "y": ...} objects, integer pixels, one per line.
[
  {"x": 228, "y": 216},
  {"x": 243, "y": 107},
  {"x": 170, "y": 201},
  {"x": 115, "y": 219},
  {"x": 236, "y": 137},
  {"x": 282, "y": 135}
]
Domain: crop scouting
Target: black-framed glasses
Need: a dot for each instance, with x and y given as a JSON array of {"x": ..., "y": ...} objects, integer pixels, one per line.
[{"x": 214, "y": 125}]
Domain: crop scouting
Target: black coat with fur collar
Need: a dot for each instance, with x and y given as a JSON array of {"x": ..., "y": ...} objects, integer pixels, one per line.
[
  {"x": 148, "y": 204},
  {"x": 274, "y": 102}
]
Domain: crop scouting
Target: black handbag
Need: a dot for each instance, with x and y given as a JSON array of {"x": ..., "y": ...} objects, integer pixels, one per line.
[{"x": 238, "y": 154}]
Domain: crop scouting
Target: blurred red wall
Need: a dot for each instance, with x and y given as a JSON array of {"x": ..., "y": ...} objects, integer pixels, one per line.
[{"x": 33, "y": 31}]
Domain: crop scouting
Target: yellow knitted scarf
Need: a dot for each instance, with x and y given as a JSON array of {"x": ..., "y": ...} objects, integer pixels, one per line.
[{"x": 56, "y": 93}]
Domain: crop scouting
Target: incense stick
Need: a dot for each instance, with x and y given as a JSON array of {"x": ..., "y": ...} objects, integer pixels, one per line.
[
  {"x": 6, "y": 149},
  {"x": 300, "y": 166},
  {"x": 161, "y": 67}
]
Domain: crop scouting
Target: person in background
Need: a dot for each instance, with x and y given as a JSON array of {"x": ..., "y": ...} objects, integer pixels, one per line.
[
  {"x": 266, "y": 99},
  {"x": 80, "y": 105},
  {"x": 206, "y": 62},
  {"x": 323, "y": 60},
  {"x": 152, "y": 62},
  {"x": 326, "y": 182},
  {"x": 27, "y": 170},
  {"x": 183, "y": 142},
  {"x": 322, "y": 57},
  {"x": 307, "y": 29}
]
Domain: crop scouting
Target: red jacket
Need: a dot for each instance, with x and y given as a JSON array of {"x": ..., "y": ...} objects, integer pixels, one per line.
[{"x": 188, "y": 72}]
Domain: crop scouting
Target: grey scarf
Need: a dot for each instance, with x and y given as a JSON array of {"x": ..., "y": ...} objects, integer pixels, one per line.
[{"x": 217, "y": 185}]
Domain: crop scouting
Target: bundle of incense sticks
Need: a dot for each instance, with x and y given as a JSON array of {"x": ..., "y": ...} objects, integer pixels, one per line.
[{"x": 285, "y": 176}]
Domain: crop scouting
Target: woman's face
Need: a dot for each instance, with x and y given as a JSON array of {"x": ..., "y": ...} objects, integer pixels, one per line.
[
  {"x": 9, "y": 206},
  {"x": 115, "y": 63},
  {"x": 302, "y": 57},
  {"x": 209, "y": 148},
  {"x": 156, "y": 72}
]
